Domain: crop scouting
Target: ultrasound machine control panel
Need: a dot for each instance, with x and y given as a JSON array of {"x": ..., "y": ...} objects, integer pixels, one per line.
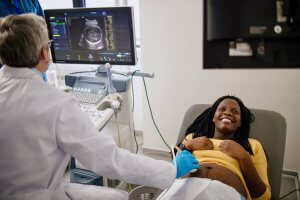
[
  {"x": 96, "y": 81},
  {"x": 91, "y": 94},
  {"x": 89, "y": 90}
]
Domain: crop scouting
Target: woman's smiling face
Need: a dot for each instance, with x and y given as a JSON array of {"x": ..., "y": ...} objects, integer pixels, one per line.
[{"x": 227, "y": 118}]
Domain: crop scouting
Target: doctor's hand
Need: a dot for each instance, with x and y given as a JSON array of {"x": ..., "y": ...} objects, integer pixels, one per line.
[{"x": 185, "y": 162}]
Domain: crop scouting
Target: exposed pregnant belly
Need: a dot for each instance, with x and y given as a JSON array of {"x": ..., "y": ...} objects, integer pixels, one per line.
[{"x": 220, "y": 173}]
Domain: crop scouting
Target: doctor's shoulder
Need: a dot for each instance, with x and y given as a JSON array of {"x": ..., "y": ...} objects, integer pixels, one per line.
[{"x": 53, "y": 93}]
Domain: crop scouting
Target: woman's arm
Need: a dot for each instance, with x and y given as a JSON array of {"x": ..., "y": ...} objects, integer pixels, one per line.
[{"x": 253, "y": 181}]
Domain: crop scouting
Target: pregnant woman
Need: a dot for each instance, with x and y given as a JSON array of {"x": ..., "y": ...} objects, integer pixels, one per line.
[{"x": 219, "y": 139}]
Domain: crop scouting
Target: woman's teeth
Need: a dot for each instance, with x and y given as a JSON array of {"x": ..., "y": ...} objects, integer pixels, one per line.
[{"x": 226, "y": 120}]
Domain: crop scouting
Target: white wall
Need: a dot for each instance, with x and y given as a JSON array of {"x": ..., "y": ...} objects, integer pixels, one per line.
[
  {"x": 171, "y": 40},
  {"x": 54, "y": 4}
]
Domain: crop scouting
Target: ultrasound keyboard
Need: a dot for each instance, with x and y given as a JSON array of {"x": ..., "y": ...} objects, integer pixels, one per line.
[
  {"x": 98, "y": 117},
  {"x": 89, "y": 90},
  {"x": 87, "y": 97}
]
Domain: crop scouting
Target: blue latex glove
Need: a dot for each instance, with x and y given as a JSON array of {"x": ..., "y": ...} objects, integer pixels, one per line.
[
  {"x": 44, "y": 77},
  {"x": 185, "y": 162}
]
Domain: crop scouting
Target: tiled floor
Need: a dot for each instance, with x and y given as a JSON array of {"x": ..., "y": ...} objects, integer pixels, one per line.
[{"x": 288, "y": 184}]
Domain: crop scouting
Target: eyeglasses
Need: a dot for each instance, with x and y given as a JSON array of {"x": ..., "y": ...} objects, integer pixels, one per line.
[{"x": 50, "y": 43}]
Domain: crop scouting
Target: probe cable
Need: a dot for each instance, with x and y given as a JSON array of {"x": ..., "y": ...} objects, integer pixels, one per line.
[
  {"x": 134, "y": 133},
  {"x": 153, "y": 117}
]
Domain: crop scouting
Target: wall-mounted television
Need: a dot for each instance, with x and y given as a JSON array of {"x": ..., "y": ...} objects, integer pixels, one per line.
[{"x": 251, "y": 34}]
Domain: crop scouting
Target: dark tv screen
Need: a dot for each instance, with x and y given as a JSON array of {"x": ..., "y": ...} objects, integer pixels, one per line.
[{"x": 251, "y": 34}]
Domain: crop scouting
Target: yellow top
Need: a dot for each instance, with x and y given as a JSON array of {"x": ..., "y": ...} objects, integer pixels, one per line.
[{"x": 216, "y": 156}]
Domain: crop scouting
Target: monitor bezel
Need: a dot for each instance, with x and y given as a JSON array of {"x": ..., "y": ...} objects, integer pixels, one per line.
[{"x": 129, "y": 10}]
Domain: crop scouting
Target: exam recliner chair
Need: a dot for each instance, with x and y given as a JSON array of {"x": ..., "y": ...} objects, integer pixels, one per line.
[{"x": 269, "y": 128}]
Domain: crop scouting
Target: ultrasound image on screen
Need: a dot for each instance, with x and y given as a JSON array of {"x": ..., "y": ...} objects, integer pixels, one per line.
[
  {"x": 92, "y": 36},
  {"x": 91, "y": 33}
]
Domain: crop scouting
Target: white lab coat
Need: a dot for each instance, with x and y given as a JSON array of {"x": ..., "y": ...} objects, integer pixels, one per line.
[{"x": 42, "y": 126}]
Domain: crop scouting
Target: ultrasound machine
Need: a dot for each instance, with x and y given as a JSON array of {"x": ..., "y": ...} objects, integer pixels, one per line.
[{"x": 102, "y": 37}]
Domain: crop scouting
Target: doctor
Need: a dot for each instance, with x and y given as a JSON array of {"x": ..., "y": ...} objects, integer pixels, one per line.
[
  {"x": 10, "y": 7},
  {"x": 42, "y": 126}
]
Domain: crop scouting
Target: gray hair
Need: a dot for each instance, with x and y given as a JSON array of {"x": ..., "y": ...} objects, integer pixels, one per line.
[{"x": 22, "y": 38}]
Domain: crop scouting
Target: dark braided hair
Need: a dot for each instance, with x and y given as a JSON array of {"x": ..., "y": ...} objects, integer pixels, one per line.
[{"x": 204, "y": 126}]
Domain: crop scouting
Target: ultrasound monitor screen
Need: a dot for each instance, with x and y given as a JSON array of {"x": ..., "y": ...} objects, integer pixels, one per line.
[{"x": 92, "y": 35}]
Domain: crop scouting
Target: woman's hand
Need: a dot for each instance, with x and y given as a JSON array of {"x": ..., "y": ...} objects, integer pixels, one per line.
[
  {"x": 233, "y": 149},
  {"x": 253, "y": 181},
  {"x": 199, "y": 143}
]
